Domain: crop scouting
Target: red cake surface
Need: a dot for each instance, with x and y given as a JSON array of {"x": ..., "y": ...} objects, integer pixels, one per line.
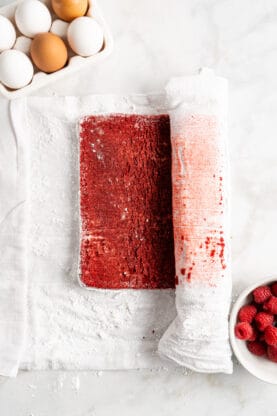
[{"x": 126, "y": 202}]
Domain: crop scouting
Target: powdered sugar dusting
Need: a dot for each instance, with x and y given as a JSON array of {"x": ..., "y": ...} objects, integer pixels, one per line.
[
  {"x": 119, "y": 248},
  {"x": 75, "y": 382},
  {"x": 70, "y": 327}
]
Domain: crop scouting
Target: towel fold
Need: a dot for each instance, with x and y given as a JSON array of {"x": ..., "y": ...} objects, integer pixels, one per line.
[{"x": 13, "y": 188}]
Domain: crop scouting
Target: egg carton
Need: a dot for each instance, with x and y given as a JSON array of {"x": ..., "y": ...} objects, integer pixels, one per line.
[{"x": 75, "y": 62}]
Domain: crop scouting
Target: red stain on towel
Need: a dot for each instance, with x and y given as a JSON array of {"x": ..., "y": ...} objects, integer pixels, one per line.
[
  {"x": 198, "y": 200},
  {"x": 125, "y": 200}
]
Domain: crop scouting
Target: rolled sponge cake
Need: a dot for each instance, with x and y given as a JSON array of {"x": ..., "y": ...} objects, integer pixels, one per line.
[{"x": 198, "y": 337}]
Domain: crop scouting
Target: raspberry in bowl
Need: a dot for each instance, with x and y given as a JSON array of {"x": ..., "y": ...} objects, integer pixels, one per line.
[{"x": 253, "y": 329}]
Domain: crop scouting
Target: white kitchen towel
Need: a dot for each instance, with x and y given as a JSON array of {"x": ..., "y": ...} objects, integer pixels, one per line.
[
  {"x": 13, "y": 283},
  {"x": 198, "y": 337},
  {"x": 69, "y": 326}
]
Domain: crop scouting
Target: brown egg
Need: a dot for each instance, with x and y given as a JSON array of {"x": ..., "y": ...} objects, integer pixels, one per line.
[
  {"x": 70, "y": 9},
  {"x": 48, "y": 52}
]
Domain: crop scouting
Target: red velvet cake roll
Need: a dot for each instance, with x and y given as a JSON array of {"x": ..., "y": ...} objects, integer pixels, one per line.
[
  {"x": 126, "y": 202},
  {"x": 198, "y": 338}
]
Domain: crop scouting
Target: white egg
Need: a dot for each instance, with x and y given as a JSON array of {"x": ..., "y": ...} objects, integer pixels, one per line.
[
  {"x": 16, "y": 69},
  {"x": 85, "y": 36},
  {"x": 23, "y": 44},
  {"x": 59, "y": 28},
  {"x": 32, "y": 17},
  {"x": 7, "y": 34}
]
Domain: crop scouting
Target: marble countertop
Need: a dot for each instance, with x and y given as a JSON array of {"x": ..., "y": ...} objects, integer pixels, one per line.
[{"x": 155, "y": 40}]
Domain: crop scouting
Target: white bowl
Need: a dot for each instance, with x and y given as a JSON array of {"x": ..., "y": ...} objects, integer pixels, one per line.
[{"x": 259, "y": 367}]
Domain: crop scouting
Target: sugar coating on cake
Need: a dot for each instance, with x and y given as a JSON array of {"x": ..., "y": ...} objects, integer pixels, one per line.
[{"x": 126, "y": 202}]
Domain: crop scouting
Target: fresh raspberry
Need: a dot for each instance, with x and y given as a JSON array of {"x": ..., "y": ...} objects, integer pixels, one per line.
[
  {"x": 256, "y": 348},
  {"x": 271, "y": 305},
  {"x": 254, "y": 336},
  {"x": 263, "y": 319},
  {"x": 261, "y": 294},
  {"x": 272, "y": 353},
  {"x": 274, "y": 289},
  {"x": 243, "y": 330},
  {"x": 247, "y": 313},
  {"x": 271, "y": 335}
]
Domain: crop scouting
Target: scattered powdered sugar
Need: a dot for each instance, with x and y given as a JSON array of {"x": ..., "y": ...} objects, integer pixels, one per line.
[
  {"x": 59, "y": 383},
  {"x": 68, "y": 326},
  {"x": 72, "y": 329},
  {"x": 75, "y": 382},
  {"x": 33, "y": 389}
]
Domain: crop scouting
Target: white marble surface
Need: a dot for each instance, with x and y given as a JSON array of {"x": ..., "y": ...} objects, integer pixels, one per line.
[{"x": 155, "y": 40}]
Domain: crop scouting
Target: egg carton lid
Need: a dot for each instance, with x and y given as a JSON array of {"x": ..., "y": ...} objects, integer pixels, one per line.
[{"x": 75, "y": 63}]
